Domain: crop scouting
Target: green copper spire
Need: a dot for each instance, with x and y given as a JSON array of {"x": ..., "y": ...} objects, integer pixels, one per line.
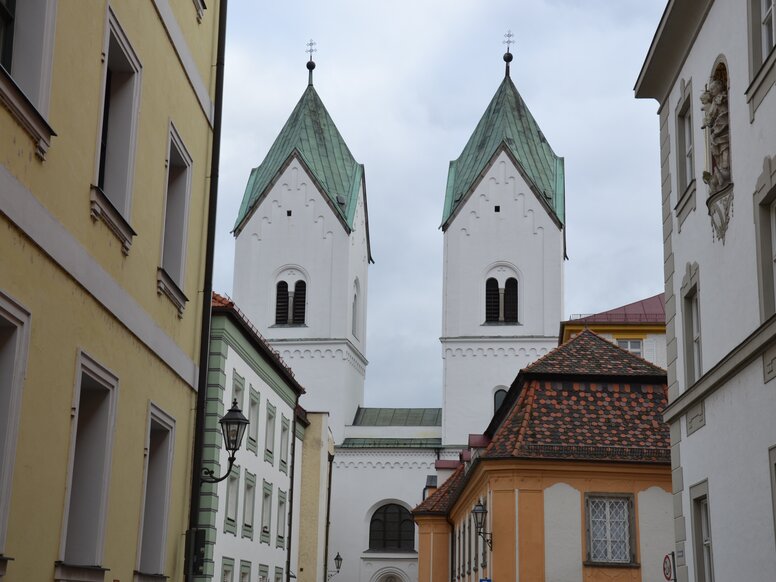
[
  {"x": 311, "y": 135},
  {"x": 507, "y": 125}
]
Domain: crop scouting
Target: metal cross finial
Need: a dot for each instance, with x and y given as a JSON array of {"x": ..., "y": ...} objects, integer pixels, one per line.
[
  {"x": 508, "y": 39},
  {"x": 311, "y": 48}
]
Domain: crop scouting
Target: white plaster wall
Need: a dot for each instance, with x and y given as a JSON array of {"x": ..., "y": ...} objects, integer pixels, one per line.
[
  {"x": 403, "y": 432},
  {"x": 728, "y": 276},
  {"x": 296, "y": 513},
  {"x": 653, "y": 347},
  {"x": 364, "y": 480},
  {"x": 563, "y": 533},
  {"x": 731, "y": 451},
  {"x": 523, "y": 237},
  {"x": 472, "y": 370},
  {"x": 358, "y": 268},
  {"x": 236, "y": 546},
  {"x": 655, "y": 530}
]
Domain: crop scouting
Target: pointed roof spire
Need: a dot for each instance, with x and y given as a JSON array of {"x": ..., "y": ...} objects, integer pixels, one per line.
[
  {"x": 311, "y": 63},
  {"x": 508, "y": 55}
]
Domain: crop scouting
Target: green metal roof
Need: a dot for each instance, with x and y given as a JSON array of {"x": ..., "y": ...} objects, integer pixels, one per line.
[
  {"x": 311, "y": 134},
  {"x": 382, "y": 443},
  {"x": 507, "y": 123},
  {"x": 398, "y": 417}
]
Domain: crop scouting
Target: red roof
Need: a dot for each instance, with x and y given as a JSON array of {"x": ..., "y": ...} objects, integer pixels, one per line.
[
  {"x": 443, "y": 499},
  {"x": 649, "y": 310}
]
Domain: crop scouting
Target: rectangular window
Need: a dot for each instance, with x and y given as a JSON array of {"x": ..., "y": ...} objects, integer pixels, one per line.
[
  {"x": 170, "y": 276},
  {"x": 284, "y": 432},
  {"x": 691, "y": 317},
  {"x": 685, "y": 144},
  {"x": 92, "y": 438},
  {"x": 253, "y": 420},
  {"x": 232, "y": 494},
  {"x": 610, "y": 529},
  {"x": 14, "y": 341},
  {"x": 266, "y": 511},
  {"x": 263, "y": 573},
  {"x": 634, "y": 346},
  {"x": 227, "y": 570},
  {"x": 269, "y": 434},
  {"x": 701, "y": 525},
  {"x": 245, "y": 571},
  {"x": 249, "y": 502},
  {"x": 767, "y": 27},
  {"x": 281, "y": 538},
  {"x": 238, "y": 389},
  {"x": 159, "y": 447},
  {"x": 116, "y": 153},
  {"x": 278, "y": 574}
]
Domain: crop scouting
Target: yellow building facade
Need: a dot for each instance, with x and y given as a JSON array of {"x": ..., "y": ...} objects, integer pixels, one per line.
[
  {"x": 106, "y": 131},
  {"x": 572, "y": 475}
]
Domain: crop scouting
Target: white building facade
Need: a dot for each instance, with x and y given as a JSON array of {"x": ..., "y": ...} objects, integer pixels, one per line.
[{"x": 711, "y": 68}]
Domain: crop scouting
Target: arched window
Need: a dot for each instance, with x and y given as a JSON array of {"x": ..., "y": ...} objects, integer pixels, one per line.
[
  {"x": 300, "y": 300},
  {"x": 355, "y": 315},
  {"x": 510, "y": 301},
  {"x": 491, "y": 300},
  {"x": 281, "y": 303},
  {"x": 392, "y": 528},
  {"x": 498, "y": 399}
]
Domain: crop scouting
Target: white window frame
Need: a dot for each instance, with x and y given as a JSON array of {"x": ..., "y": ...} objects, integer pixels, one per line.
[
  {"x": 254, "y": 410},
  {"x": 281, "y": 519},
  {"x": 232, "y": 495},
  {"x": 249, "y": 506},
  {"x": 767, "y": 26},
  {"x": 702, "y": 545},
  {"x": 28, "y": 98},
  {"x": 171, "y": 278},
  {"x": 285, "y": 432},
  {"x": 266, "y": 512},
  {"x": 608, "y": 499},
  {"x": 629, "y": 345},
  {"x": 116, "y": 213},
  {"x": 86, "y": 365},
  {"x": 156, "y": 414},
  {"x": 691, "y": 326},
  {"x": 269, "y": 433},
  {"x": 19, "y": 317}
]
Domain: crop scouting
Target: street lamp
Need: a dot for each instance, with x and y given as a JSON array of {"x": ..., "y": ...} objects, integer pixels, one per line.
[
  {"x": 480, "y": 512},
  {"x": 337, "y": 564},
  {"x": 233, "y": 425}
]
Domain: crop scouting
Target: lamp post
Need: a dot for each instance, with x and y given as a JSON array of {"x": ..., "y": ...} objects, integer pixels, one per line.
[
  {"x": 480, "y": 512},
  {"x": 337, "y": 564},
  {"x": 233, "y": 425}
]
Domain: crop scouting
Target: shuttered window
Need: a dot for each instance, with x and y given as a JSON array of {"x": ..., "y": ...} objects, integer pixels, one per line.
[
  {"x": 510, "y": 301},
  {"x": 281, "y": 303},
  {"x": 491, "y": 300},
  {"x": 300, "y": 299}
]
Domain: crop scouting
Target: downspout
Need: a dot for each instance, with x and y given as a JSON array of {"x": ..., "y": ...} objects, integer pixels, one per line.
[
  {"x": 207, "y": 292},
  {"x": 289, "y": 537},
  {"x": 328, "y": 512}
]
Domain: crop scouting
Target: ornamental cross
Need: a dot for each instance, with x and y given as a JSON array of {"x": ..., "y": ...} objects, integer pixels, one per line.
[
  {"x": 311, "y": 48},
  {"x": 508, "y": 39}
]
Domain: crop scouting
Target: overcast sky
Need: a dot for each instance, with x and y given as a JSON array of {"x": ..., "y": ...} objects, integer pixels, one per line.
[{"x": 406, "y": 83}]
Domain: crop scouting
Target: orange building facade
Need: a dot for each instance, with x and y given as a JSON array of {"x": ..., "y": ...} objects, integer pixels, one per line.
[{"x": 573, "y": 471}]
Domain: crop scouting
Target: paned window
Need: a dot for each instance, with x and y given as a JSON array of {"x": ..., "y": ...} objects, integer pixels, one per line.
[
  {"x": 281, "y": 303},
  {"x": 768, "y": 33},
  {"x": 253, "y": 421},
  {"x": 392, "y": 528},
  {"x": 249, "y": 502},
  {"x": 685, "y": 145},
  {"x": 281, "y": 524},
  {"x": 634, "y": 346},
  {"x": 232, "y": 494},
  {"x": 691, "y": 325},
  {"x": 266, "y": 511},
  {"x": 284, "y": 432},
  {"x": 269, "y": 434},
  {"x": 227, "y": 570},
  {"x": 245, "y": 571},
  {"x": 610, "y": 529},
  {"x": 701, "y": 538}
]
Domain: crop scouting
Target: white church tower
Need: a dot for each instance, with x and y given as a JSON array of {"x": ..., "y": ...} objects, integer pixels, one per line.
[
  {"x": 504, "y": 246},
  {"x": 301, "y": 258}
]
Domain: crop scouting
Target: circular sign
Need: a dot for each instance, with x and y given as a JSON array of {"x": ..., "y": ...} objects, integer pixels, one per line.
[{"x": 667, "y": 569}]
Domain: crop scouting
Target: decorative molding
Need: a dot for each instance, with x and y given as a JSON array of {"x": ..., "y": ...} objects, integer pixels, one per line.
[
  {"x": 373, "y": 464},
  {"x": 26, "y": 114},
  {"x": 39, "y": 225},
  {"x": 769, "y": 364},
  {"x": 166, "y": 286},
  {"x": 696, "y": 417},
  {"x": 103, "y": 209},
  {"x": 720, "y": 205},
  {"x": 508, "y": 352}
]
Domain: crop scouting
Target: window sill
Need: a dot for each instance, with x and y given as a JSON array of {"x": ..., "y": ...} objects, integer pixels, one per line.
[
  {"x": 75, "y": 573},
  {"x": 497, "y": 323},
  {"x": 686, "y": 204},
  {"x": 375, "y": 554},
  {"x": 4, "y": 564},
  {"x": 103, "y": 209},
  {"x": 630, "y": 565},
  {"x": 288, "y": 325},
  {"x": 166, "y": 286},
  {"x": 25, "y": 113},
  {"x": 143, "y": 577},
  {"x": 762, "y": 82}
]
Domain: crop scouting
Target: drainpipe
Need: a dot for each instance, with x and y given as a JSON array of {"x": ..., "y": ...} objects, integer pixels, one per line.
[
  {"x": 328, "y": 512},
  {"x": 289, "y": 537},
  {"x": 207, "y": 293}
]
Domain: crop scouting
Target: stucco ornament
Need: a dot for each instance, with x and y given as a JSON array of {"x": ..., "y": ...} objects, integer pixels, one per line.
[{"x": 714, "y": 104}]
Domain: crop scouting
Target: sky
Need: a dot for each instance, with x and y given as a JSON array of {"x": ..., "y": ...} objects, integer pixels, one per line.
[{"x": 406, "y": 83}]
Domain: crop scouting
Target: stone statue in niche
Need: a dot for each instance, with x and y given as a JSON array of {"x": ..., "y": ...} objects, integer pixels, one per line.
[{"x": 715, "y": 119}]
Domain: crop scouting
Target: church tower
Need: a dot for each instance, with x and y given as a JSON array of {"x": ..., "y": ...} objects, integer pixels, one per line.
[
  {"x": 301, "y": 258},
  {"x": 504, "y": 246}
]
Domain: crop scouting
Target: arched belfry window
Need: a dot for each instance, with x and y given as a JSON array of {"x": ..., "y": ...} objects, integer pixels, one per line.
[
  {"x": 501, "y": 302},
  {"x": 392, "y": 528},
  {"x": 491, "y": 300},
  {"x": 498, "y": 399},
  {"x": 300, "y": 300},
  {"x": 281, "y": 303}
]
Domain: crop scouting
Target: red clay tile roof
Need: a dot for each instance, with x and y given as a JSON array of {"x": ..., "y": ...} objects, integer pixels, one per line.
[
  {"x": 442, "y": 500},
  {"x": 588, "y": 354},
  {"x": 223, "y": 304},
  {"x": 649, "y": 310}
]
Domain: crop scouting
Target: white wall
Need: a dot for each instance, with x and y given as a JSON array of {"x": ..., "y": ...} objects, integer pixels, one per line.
[
  {"x": 655, "y": 527},
  {"x": 520, "y": 240},
  {"x": 563, "y": 533}
]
